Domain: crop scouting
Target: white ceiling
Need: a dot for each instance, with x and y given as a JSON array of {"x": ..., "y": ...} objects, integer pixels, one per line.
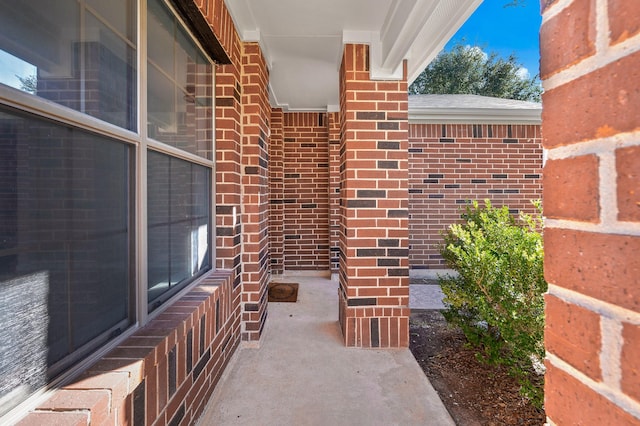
[{"x": 302, "y": 40}]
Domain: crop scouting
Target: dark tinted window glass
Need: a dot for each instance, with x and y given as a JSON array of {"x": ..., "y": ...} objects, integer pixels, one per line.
[{"x": 64, "y": 247}]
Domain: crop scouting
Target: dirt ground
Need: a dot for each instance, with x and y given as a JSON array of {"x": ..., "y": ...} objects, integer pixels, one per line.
[{"x": 474, "y": 393}]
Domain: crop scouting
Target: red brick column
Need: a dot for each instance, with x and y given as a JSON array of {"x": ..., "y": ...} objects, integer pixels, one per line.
[
  {"x": 255, "y": 190},
  {"x": 333, "y": 127},
  {"x": 276, "y": 188},
  {"x": 591, "y": 127},
  {"x": 374, "y": 265}
]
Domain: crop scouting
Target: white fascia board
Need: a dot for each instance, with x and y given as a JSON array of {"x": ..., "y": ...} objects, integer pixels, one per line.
[
  {"x": 437, "y": 32},
  {"x": 404, "y": 24},
  {"x": 475, "y": 116}
]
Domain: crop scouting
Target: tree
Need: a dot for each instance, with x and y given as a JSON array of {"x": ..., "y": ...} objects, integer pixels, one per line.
[
  {"x": 469, "y": 70},
  {"x": 29, "y": 83}
]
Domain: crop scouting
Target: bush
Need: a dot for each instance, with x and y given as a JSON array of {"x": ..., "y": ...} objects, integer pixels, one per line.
[{"x": 497, "y": 296}]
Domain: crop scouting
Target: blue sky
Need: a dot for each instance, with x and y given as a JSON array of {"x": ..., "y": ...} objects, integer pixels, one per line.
[{"x": 505, "y": 30}]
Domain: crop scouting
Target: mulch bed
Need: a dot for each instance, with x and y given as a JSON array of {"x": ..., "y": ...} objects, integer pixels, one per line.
[{"x": 473, "y": 392}]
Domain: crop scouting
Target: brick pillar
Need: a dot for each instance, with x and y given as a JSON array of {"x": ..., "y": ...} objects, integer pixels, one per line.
[
  {"x": 591, "y": 70},
  {"x": 228, "y": 172},
  {"x": 276, "y": 188},
  {"x": 228, "y": 131},
  {"x": 333, "y": 128},
  {"x": 255, "y": 190},
  {"x": 374, "y": 265}
]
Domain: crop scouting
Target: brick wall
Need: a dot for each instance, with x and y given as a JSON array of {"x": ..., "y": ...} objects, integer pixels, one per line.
[
  {"x": 306, "y": 185},
  {"x": 276, "y": 191},
  {"x": 333, "y": 124},
  {"x": 454, "y": 163},
  {"x": 590, "y": 68},
  {"x": 164, "y": 373},
  {"x": 228, "y": 152},
  {"x": 255, "y": 190},
  {"x": 374, "y": 265}
]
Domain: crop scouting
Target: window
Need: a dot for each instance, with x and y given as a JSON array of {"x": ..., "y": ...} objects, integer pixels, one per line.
[
  {"x": 178, "y": 236},
  {"x": 105, "y": 206}
]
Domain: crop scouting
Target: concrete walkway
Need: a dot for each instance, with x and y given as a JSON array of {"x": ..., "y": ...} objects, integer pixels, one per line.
[{"x": 303, "y": 375}]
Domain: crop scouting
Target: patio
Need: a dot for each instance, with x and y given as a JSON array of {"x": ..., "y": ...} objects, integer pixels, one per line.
[
  {"x": 134, "y": 328},
  {"x": 302, "y": 374}
]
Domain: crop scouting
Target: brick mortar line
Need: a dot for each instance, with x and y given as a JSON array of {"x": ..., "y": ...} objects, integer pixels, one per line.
[
  {"x": 631, "y": 229},
  {"x": 611, "y": 351},
  {"x": 602, "y": 26},
  {"x": 608, "y": 188},
  {"x": 623, "y": 401},
  {"x": 600, "y": 307},
  {"x": 593, "y": 63},
  {"x": 555, "y": 9},
  {"x": 595, "y": 146}
]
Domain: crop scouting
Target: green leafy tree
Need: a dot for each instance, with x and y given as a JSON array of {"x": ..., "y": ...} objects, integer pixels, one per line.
[
  {"x": 469, "y": 70},
  {"x": 29, "y": 83}
]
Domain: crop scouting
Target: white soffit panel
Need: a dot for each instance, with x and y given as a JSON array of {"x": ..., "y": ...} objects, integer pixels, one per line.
[{"x": 303, "y": 40}]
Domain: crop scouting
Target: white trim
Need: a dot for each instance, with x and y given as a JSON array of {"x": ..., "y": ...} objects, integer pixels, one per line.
[
  {"x": 141, "y": 260},
  {"x": 474, "y": 116},
  {"x": 437, "y": 32},
  {"x": 48, "y": 109}
]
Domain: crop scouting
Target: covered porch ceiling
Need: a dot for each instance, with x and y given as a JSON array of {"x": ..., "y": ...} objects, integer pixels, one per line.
[{"x": 302, "y": 41}]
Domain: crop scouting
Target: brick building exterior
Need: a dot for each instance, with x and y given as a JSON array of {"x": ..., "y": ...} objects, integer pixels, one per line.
[
  {"x": 463, "y": 148},
  {"x": 320, "y": 191},
  {"x": 589, "y": 66}
]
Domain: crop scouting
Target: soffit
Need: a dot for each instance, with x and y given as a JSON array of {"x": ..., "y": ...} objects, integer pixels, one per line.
[{"x": 302, "y": 40}]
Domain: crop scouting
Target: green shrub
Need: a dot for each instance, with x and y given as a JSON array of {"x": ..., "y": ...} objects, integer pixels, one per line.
[{"x": 497, "y": 296}]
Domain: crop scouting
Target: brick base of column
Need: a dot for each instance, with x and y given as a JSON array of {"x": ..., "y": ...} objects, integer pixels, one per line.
[{"x": 373, "y": 326}]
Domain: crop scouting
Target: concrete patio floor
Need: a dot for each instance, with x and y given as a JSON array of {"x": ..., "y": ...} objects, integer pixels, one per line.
[{"x": 301, "y": 374}]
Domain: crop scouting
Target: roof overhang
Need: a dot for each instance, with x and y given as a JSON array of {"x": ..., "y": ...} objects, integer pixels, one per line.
[
  {"x": 303, "y": 40},
  {"x": 474, "y": 116},
  {"x": 472, "y": 109}
]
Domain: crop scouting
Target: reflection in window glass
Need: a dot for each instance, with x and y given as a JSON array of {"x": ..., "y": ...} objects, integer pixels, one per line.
[
  {"x": 43, "y": 51},
  {"x": 64, "y": 247},
  {"x": 180, "y": 85},
  {"x": 178, "y": 222}
]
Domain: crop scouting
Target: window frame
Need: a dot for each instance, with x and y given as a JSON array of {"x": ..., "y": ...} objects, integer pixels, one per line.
[{"x": 140, "y": 144}]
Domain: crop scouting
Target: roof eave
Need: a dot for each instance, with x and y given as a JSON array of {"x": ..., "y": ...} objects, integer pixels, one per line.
[{"x": 474, "y": 116}]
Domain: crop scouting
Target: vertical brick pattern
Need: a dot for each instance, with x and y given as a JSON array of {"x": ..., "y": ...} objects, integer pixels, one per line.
[
  {"x": 255, "y": 190},
  {"x": 374, "y": 264},
  {"x": 333, "y": 126},
  {"x": 306, "y": 186},
  {"x": 449, "y": 165},
  {"x": 276, "y": 194},
  {"x": 591, "y": 128},
  {"x": 165, "y": 373}
]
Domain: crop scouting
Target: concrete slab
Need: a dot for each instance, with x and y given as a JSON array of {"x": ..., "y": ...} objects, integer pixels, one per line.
[
  {"x": 425, "y": 296},
  {"x": 303, "y": 375}
]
